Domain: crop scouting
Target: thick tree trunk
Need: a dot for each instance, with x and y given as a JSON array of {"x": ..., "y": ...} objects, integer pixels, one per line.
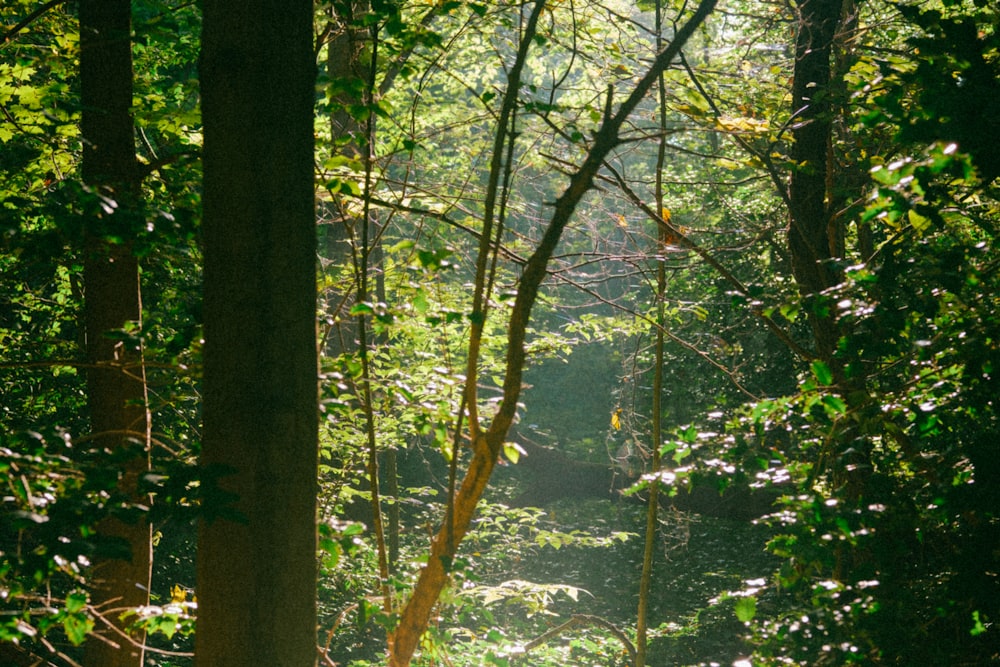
[
  {"x": 815, "y": 235},
  {"x": 257, "y": 539},
  {"x": 116, "y": 387}
]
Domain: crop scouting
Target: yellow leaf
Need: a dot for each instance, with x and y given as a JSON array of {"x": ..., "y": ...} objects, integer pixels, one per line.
[
  {"x": 178, "y": 593},
  {"x": 513, "y": 451},
  {"x": 919, "y": 222}
]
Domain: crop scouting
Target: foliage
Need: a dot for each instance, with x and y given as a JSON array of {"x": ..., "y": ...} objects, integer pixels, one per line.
[
  {"x": 883, "y": 457},
  {"x": 886, "y": 537}
]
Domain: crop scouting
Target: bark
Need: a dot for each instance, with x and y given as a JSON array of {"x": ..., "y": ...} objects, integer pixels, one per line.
[
  {"x": 812, "y": 237},
  {"x": 815, "y": 236},
  {"x": 256, "y": 579},
  {"x": 346, "y": 68},
  {"x": 116, "y": 389},
  {"x": 656, "y": 409},
  {"x": 348, "y": 44},
  {"x": 486, "y": 448}
]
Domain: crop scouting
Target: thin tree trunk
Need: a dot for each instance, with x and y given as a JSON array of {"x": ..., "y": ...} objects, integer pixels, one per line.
[
  {"x": 366, "y": 254},
  {"x": 256, "y": 556},
  {"x": 652, "y": 522},
  {"x": 116, "y": 388},
  {"x": 486, "y": 448},
  {"x": 345, "y": 69}
]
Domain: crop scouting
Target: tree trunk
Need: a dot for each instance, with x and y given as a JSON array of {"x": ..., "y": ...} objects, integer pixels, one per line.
[
  {"x": 116, "y": 388},
  {"x": 257, "y": 538},
  {"x": 811, "y": 234},
  {"x": 656, "y": 409},
  {"x": 486, "y": 447}
]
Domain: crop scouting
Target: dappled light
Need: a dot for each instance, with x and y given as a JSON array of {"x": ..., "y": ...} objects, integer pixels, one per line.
[{"x": 459, "y": 333}]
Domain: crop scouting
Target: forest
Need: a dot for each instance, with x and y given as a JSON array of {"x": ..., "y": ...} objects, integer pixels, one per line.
[{"x": 499, "y": 332}]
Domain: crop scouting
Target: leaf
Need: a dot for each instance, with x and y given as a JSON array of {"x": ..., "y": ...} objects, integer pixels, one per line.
[
  {"x": 746, "y": 609},
  {"x": 420, "y": 303},
  {"x": 513, "y": 452},
  {"x": 405, "y": 244},
  {"x": 75, "y": 602},
  {"x": 343, "y": 186},
  {"x": 977, "y": 625},
  {"x": 362, "y": 309},
  {"x": 77, "y": 627},
  {"x": 822, "y": 372},
  {"x": 919, "y": 222},
  {"x": 178, "y": 593},
  {"x": 835, "y": 405}
]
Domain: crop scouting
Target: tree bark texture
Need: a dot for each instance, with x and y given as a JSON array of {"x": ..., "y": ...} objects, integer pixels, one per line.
[
  {"x": 812, "y": 239},
  {"x": 486, "y": 448},
  {"x": 116, "y": 388},
  {"x": 256, "y": 579}
]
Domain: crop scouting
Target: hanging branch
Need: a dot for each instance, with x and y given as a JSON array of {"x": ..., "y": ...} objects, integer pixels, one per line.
[{"x": 486, "y": 448}]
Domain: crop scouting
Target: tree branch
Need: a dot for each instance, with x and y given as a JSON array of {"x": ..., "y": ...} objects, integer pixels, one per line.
[
  {"x": 575, "y": 620},
  {"x": 31, "y": 18},
  {"x": 486, "y": 448}
]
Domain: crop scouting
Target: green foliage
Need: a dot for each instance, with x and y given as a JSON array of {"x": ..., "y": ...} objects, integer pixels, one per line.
[
  {"x": 884, "y": 458},
  {"x": 57, "y": 492},
  {"x": 895, "y": 464},
  {"x": 950, "y": 92}
]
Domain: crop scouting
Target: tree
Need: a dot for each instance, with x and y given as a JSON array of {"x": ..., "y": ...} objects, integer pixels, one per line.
[
  {"x": 810, "y": 233},
  {"x": 116, "y": 388},
  {"x": 828, "y": 187},
  {"x": 487, "y": 444},
  {"x": 257, "y": 538},
  {"x": 896, "y": 442}
]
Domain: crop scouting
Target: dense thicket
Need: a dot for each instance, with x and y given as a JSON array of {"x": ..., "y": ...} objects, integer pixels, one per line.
[{"x": 742, "y": 253}]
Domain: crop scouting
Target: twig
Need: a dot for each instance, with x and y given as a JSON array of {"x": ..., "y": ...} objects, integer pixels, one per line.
[{"x": 585, "y": 620}]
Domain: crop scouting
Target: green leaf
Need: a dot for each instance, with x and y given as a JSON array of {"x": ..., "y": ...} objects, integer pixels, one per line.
[
  {"x": 77, "y": 627},
  {"x": 834, "y": 405},
  {"x": 822, "y": 373},
  {"x": 746, "y": 609},
  {"x": 343, "y": 186},
  {"x": 75, "y": 602},
  {"x": 420, "y": 303},
  {"x": 362, "y": 309},
  {"x": 977, "y": 625}
]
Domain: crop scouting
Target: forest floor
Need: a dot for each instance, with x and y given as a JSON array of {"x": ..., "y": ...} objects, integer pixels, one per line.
[{"x": 702, "y": 564}]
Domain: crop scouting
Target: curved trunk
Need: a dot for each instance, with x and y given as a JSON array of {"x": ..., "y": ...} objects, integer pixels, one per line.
[{"x": 486, "y": 447}]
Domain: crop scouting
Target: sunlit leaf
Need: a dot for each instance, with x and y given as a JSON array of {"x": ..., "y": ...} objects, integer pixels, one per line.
[
  {"x": 746, "y": 608},
  {"x": 513, "y": 451}
]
